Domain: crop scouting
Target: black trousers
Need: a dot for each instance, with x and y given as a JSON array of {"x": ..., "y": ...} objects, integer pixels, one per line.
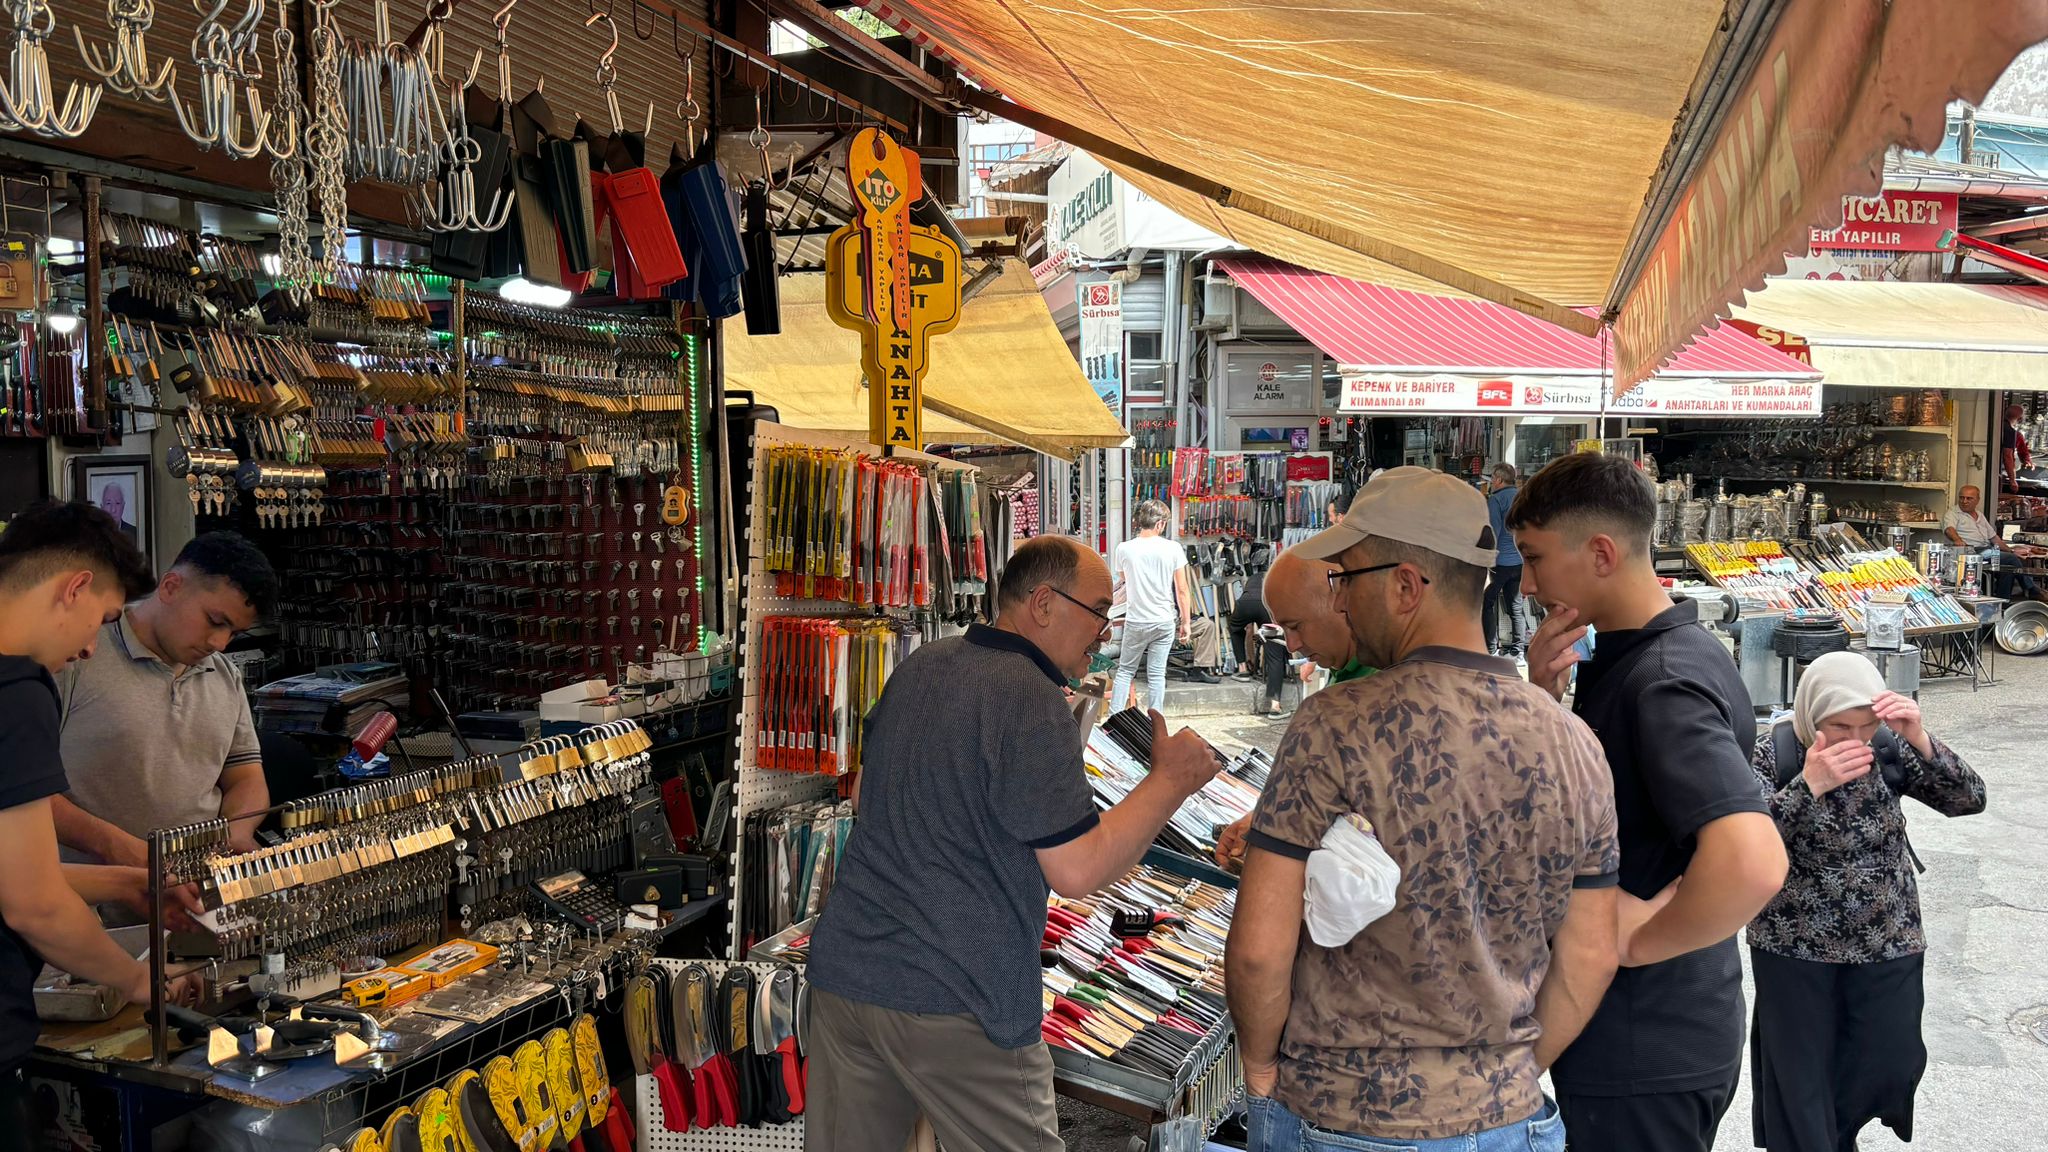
[
  {"x": 1504, "y": 592},
  {"x": 1654, "y": 1122},
  {"x": 21, "y": 1130},
  {"x": 1248, "y": 613},
  {"x": 1833, "y": 1047}
]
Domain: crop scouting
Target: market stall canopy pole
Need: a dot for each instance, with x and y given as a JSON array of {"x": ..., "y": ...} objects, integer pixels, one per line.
[
  {"x": 1839, "y": 82},
  {"x": 1350, "y": 239}
]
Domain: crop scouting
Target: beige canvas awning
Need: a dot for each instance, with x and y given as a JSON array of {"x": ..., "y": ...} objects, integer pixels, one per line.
[
  {"x": 1004, "y": 375},
  {"x": 1649, "y": 161},
  {"x": 1880, "y": 334}
]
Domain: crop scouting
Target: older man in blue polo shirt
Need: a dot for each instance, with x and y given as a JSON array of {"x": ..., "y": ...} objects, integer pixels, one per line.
[{"x": 924, "y": 967}]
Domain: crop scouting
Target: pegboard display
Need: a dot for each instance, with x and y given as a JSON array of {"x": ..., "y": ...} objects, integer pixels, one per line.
[
  {"x": 653, "y": 1136},
  {"x": 762, "y": 789},
  {"x": 578, "y": 538}
]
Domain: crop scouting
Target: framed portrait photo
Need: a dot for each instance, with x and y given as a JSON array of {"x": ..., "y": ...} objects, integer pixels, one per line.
[{"x": 120, "y": 487}]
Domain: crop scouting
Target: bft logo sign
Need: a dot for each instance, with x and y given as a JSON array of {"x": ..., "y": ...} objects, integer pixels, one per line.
[{"x": 1496, "y": 394}]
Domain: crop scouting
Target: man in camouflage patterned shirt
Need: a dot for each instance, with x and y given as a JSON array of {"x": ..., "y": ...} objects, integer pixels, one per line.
[{"x": 1432, "y": 1025}]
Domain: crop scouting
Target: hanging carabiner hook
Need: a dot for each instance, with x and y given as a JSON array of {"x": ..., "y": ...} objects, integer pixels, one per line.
[{"x": 760, "y": 138}]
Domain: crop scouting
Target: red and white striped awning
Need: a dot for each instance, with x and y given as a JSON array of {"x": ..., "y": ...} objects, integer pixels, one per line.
[
  {"x": 2010, "y": 259},
  {"x": 1408, "y": 351}
]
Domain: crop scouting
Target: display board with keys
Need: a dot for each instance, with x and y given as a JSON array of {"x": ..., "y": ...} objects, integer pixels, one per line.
[
  {"x": 574, "y": 545},
  {"x": 380, "y": 868}
]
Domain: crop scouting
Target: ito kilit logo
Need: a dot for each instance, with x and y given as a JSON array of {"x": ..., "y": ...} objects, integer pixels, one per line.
[{"x": 879, "y": 190}]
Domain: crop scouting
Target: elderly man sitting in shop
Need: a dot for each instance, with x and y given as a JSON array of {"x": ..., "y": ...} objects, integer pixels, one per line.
[{"x": 1967, "y": 527}]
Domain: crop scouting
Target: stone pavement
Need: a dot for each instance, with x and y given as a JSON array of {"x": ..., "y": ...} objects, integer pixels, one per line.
[{"x": 1984, "y": 895}]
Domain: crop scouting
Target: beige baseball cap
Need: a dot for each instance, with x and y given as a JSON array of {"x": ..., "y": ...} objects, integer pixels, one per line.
[{"x": 1417, "y": 506}]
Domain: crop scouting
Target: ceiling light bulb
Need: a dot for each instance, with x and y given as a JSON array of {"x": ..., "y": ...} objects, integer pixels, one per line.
[{"x": 63, "y": 316}]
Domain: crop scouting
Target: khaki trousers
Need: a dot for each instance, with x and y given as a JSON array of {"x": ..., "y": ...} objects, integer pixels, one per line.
[{"x": 873, "y": 1070}]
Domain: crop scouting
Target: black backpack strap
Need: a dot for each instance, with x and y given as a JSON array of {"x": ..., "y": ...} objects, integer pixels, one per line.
[
  {"x": 1790, "y": 754},
  {"x": 1791, "y": 760}
]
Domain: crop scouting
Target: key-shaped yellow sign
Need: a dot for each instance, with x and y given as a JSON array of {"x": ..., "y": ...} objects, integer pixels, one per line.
[
  {"x": 880, "y": 172},
  {"x": 893, "y": 357}
]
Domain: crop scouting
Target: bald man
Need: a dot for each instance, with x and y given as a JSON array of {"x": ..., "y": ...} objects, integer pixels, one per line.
[
  {"x": 1299, "y": 596},
  {"x": 924, "y": 973}
]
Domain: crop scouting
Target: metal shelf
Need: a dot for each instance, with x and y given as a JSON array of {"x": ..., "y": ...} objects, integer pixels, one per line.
[
  {"x": 1928, "y": 525},
  {"x": 1925, "y": 430},
  {"x": 1923, "y": 485}
]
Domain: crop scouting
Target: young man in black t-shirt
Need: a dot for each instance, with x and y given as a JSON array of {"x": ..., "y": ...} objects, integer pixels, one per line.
[
  {"x": 1655, "y": 1068},
  {"x": 65, "y": 570}
]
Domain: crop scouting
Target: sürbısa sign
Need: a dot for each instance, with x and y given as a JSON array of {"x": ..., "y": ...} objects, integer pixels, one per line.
[
  {"x": 895, "y": 282},
  {"x": 1412, "y": 393},
  {"x": 1448, "y": 394}
]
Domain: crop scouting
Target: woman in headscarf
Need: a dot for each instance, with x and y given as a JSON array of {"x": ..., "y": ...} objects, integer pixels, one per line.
[{"x": 1837, "y": 954}]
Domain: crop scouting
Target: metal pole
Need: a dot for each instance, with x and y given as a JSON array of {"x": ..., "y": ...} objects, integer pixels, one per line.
[
  {"x": 458, "y": 304},
  {"x": 95, "y": 315},
  {"x": 159, "y": 1030}
]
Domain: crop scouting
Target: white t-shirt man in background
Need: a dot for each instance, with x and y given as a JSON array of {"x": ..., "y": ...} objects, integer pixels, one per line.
[{"x": 1152, "y": 572}]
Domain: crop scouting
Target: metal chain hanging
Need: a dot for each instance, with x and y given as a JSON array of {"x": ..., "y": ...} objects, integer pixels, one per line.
[
  {"x": 326, "y": 144},
  {"x": 288, "y": 168}
]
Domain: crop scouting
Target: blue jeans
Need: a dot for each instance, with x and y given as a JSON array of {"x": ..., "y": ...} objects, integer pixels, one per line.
[
  {"x": 1999, "y": 577},
  {"x": 1150, "y": 645},
  {"x": 1274, "y": 1129}
]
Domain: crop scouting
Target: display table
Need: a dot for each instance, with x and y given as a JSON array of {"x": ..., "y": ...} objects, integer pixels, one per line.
[{"x": 1959, "y": 649}]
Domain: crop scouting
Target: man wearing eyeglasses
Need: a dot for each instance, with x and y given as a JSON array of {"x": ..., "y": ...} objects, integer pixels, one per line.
[
  {"x": 156, "y": 728},
  {"x": 973, "y": 802},
  {"x": 1432, "y": 1024}
]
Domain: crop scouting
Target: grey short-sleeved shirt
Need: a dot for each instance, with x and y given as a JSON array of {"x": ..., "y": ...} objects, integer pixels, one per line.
[
  {"x": 973, "y": 762},
  {"x": 145, "y": 746}
]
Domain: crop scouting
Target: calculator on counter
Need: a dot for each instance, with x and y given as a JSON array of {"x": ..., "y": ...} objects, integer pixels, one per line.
[{"x": 579, "y": 900}]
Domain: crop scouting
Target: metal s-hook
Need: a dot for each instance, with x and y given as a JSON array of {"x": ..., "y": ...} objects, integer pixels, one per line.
[
  {"x": 760, "y": 138},
  {"x": 653, "y": 21},
  {"x": 607, "y": 71},
  {"x": 501, "y": 20}
]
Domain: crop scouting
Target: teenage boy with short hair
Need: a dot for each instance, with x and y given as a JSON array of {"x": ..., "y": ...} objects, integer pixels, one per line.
[
  {"x": 1658, "y": 1063},
  {"x": 65, "y": 570}
]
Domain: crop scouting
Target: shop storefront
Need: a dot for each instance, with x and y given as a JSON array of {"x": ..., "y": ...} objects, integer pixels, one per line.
[
  {"x": 520, "y": 343},
  {"x": 1380, "y": 377}
]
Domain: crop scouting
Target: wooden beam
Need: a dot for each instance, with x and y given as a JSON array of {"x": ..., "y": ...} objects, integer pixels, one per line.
[
  {"x": 826, "y": 25},
  {"x": 1350, "y": 239}
]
